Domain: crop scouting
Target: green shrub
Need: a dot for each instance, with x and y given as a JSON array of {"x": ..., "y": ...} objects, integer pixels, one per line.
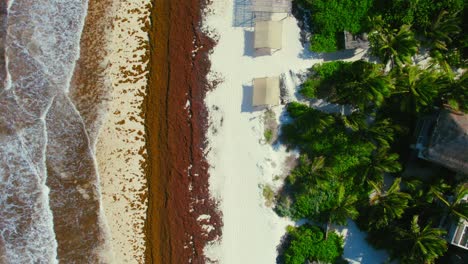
[
  {"x": 323, "y": 78},
  {"x": 307, "y": 243},
  {"x": 283, "y": 206},
  {"x": 329, "y": 69},
  {"x": 329, "y": 18},
  {"x": 268, "y": 134},
  {"x": 323, "y": 43},
  {"x": 420, "y": 14},
  {"x": 296, "y": 109},
  {"x": 268, "y": 194},
  {"x": 309, "y": 88}
]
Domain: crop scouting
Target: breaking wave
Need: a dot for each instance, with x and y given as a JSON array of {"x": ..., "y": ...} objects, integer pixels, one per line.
[{"x": 50, "y": 207}]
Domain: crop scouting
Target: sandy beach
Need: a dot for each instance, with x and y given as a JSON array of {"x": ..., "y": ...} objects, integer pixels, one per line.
[
  {"x": 241, "y": 164},
  {"x": 128, "y": 133},
  {"x": 120, "y": 147}
]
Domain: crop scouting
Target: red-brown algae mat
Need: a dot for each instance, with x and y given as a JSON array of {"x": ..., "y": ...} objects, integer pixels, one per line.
[{"x": 180, "y": 207}]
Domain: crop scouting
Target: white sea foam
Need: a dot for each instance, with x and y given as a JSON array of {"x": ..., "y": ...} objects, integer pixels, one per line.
[
  {"x": 26, "y": 221},
  {"x": 8, "y": 77},
  {"x": 41, "y": 48}
]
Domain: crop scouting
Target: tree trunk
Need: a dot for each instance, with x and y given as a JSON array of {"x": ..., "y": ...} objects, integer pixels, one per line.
[{"x": 327, "y": 229}]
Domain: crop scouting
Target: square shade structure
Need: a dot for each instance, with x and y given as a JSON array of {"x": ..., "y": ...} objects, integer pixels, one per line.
[
  {"x": 448, "y": 144},
  {"x": 268, "y": 34},
  {"x": 266, "y": 91},
  {"x": 271, "y": 6}
]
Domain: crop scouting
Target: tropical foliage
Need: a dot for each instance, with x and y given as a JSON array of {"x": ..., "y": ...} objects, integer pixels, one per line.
[
  {"x": 454, "y": 92},
  {"x": 395, "y": 25},
  {"x": 308, "y": 243},
  {"x": 441, "y": 35},
  {"x": 420, "y": 13},
  {"x": 327, "y": 25},
  {"x": 394, "y": 46},
  {"x": 361, "y": 84},
  {"x": 453, "y": 207},
  {"x": 343, "y": 207},
  {"x": 386, "y": 206},
  {"x": 421, "y": 244},
  {"x": 351, "y": 165},
  {"x": 416, "y": 89}
]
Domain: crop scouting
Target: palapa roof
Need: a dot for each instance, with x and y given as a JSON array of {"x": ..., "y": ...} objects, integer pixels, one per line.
[
  {"x": 268, "y": 34},
  {"x": 271, "y": 6},
  {"x": 266, "y": 91},
  {"x": 448, "y": 145}
]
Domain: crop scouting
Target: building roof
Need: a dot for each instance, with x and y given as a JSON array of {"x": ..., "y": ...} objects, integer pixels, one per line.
[
  {"x": 271, "y": 6},
  {"x": 448, "y": 145},
  {"x": 268, "y": 34},
  {"x": 458, "y": 234},
  {"x": 355, "y": 41},
  {"x": 266, "y": 91}
]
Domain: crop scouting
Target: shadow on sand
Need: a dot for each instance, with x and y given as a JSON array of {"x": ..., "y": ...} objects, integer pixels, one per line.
[
  {"x": 249, "y": 49},
  {"x": 247, "y": 95},
  {"x": 344, "y": 54},
  {"x": 333, "y": 56},
  {"x": 249, "y": 43}
]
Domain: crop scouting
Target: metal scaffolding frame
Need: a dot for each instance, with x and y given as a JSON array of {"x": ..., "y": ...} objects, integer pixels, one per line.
[
  {"x": 271, "y": 6},
  {"x": 246, "y": 12}
]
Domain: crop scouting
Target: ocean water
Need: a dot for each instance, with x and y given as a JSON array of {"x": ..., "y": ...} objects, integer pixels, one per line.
[{"x": 50, "y": 208}]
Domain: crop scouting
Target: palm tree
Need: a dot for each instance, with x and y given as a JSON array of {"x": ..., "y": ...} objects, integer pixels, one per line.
[
  {"x": 308, "y": 122},
  {"x": 421, "y": 245},
  {"x": 395, "y": 46},
  {"x": 381, "y": 133},
  {"x": 309, "y": 173},
  {"x": 454, "y": 207},
  {"x": 386, "y": 206},
  {"x": 417, "y": 88},
  {"x": 440, "y": 36},
  {"x": 384, "y": 162},
  {"x": 364, "y": 84},
  {"x": 343, "y": 208},
  {"x": 454, "y": 92},
  {"x": 356, "y": 121},
  {"x": 380, "y": 162}
]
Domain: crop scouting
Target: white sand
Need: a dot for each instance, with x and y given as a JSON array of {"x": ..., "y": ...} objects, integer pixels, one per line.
[
  {"x": 240, "y": 164},
  {"x": 121, "y": 138},
  {"x": 357, "y": 250}
]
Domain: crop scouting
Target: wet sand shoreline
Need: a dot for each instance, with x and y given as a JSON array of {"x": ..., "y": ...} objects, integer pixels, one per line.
[
  {"x": 181, "y": 216},
  {"x": 120, "y": 147}
]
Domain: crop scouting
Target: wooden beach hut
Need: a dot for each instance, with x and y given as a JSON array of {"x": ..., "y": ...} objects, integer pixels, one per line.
[{"x": 266, "y": 91}]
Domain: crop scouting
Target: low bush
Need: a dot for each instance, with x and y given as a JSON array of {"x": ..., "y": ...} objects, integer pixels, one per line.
[
  {"x": 268, "y": 134},
  {"x": 308, "y": 243}
]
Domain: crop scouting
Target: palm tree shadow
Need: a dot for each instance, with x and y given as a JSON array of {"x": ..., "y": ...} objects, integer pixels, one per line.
[
  {"x": 306, "y": 54},
  {"x": 341, "y": 55}
]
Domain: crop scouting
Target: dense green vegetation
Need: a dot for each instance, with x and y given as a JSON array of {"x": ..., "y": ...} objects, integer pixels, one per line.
[
  {"x": 308, "y": 243},
  {"x": 360, "y": 83},
  {"x": 420, "y": 13},
  {"x": 344, "y": 158},
  {"x": 327, "y": 25},
  {"x": 340, "y": 174},
  {"x": 398, "y": 25}
]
